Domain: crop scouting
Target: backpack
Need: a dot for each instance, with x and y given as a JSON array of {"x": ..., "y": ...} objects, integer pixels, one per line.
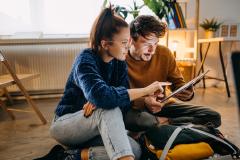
[{"x": 160, "y": 141}]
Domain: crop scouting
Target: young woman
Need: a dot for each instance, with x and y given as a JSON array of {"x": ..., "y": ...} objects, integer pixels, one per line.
[{"x": 96, "y": 93}]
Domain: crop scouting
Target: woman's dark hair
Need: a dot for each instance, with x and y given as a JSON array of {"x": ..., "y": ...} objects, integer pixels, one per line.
[
  {"x": 144, "y": 25},
  {"x": 105, "y": 26}
]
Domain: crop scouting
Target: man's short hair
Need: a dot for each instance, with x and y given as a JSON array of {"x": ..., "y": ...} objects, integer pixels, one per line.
[{"x": 144, "y": 25}]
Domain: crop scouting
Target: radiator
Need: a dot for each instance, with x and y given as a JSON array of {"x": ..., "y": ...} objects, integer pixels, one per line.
[{"x": 53, "y": 61}]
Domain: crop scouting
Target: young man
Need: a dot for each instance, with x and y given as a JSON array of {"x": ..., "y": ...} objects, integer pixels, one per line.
[{"x": 148, "y": 62}]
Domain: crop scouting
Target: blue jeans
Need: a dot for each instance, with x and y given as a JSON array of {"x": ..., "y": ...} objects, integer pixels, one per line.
[
  {"x": 99, "y": 152},
  {"x": 74, "y": 129}
]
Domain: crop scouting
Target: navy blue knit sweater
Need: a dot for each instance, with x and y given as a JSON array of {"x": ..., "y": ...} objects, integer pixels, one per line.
[{"x": 91, "y": 79}]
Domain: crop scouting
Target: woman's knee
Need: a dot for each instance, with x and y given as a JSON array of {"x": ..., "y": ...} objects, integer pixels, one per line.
[
  {"x": 55, "y": 133},
  {"x": 109, "y": 114}
]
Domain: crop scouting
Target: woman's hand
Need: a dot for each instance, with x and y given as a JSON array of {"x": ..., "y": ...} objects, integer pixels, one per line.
[
  {"x": 88, "y": 109},
  {"x": 154, "y": 87}
]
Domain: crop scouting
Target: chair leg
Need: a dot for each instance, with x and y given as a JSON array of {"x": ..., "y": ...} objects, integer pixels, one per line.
[
  {"x": 24, "y": 91},
  {"x": 4, "y": 107},
  {"x": 8, "y": 95},
  {"x": 32, "y": 104},
  {"x": 30, "y": 101}
]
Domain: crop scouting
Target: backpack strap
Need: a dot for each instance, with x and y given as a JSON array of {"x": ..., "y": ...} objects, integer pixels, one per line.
[
  {"x": 189, "y": 126},
  {"x": 171, "y": 140},
  {"x": 214, "y": 137}
]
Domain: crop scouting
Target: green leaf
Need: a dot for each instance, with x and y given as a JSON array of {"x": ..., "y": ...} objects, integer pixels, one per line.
[
  {"x": 104, "y": 5},
  {"x": 152, "y": 5},
  {"x": 159, "y": 7},
  {"x": 210, "y": 24},
  {"x": 121, "y": 11}
]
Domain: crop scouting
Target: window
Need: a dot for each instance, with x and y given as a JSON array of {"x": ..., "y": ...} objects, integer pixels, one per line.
[
  {"x": 23, "y": 17},
  {"x": 14, "y": 16},
  {"x": 47, "y": 16}
]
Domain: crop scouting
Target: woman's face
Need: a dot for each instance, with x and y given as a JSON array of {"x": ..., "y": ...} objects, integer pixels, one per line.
[{"x": 120, "y": 44}]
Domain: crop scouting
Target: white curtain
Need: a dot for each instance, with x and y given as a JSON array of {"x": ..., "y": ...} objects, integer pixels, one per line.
[{"x": 29, "y": 17}]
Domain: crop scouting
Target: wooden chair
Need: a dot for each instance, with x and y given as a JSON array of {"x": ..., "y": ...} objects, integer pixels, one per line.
[{"x": 12, "y": 79}]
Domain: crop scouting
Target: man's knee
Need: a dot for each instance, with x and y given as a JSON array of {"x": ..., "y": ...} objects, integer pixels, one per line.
[
  {"x": 137, "y": 121},
  {"x": 216, "y": 118},
  {"x": 208, "y": 115}
]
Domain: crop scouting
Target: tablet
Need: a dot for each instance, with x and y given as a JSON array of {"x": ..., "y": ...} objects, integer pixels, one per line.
[{"x": 190, "y": 83}]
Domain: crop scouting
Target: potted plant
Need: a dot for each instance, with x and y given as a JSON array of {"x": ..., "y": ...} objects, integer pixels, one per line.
[
  {"x": 210, "y": 26},
  {"x": 162, "y": 8},
  {"x": 123, "y": 11},
  {"x": 135, "y": 9}
]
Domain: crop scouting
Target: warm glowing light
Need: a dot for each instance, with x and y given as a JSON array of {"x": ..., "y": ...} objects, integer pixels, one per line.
[{"x": 174, "y": 47}]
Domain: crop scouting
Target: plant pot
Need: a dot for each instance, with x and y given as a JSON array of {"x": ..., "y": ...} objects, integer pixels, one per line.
[{"x": 209, "y": 34}]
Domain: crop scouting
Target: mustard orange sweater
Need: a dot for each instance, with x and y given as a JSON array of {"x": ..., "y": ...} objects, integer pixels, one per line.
[{"x": 162, "y": 67}]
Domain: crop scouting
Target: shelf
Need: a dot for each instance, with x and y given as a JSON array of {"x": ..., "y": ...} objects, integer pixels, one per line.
[
  {"x": 185, "y": 60},
  {"x": 183, "y": 29},
  {"x": 182, "y": 1},
  {"x": 184, "y": 42},
  {"x": 217, "y": 39}
]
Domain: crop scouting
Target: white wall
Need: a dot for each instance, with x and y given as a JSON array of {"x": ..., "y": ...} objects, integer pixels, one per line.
[{"x": 224, "y": 11}]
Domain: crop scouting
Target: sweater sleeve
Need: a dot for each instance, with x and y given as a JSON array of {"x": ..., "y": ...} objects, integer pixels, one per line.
[
  {"x": 175, "y": 75},
  {"x": 86, "y": 76},
  {"x": 123, "y": 75}
]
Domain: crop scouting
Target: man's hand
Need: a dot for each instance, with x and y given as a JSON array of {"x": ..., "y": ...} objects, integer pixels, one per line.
[
  {"x": 163, "y": 120},
  {"x": 152, "y": 104},
  {"x": 185, "y": 95},
  {"x": 88, "y": 109}
]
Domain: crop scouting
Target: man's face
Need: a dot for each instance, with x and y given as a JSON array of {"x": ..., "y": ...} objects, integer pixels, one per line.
[{"x": 144, "y": 47}]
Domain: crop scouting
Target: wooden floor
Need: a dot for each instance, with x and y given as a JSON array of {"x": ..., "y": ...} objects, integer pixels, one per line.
[{"x": 26, "y": 138}]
